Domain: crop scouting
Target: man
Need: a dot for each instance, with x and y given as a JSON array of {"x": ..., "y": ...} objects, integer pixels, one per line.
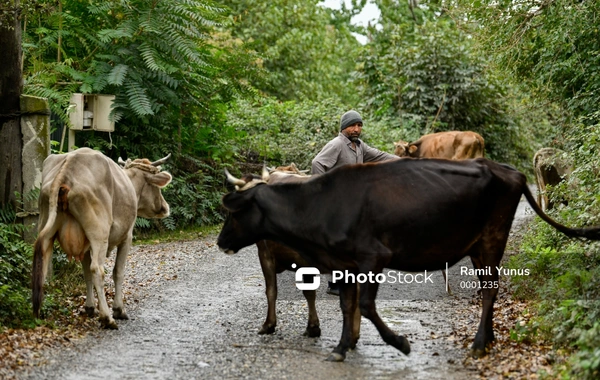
[{"x": 347, "y": 148}]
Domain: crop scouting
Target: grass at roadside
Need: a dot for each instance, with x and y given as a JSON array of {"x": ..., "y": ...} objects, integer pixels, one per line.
[{"x": 189, "y": 233}]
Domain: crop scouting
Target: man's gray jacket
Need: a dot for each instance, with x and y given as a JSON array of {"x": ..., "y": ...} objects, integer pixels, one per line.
[{"x": 339, "y": 152}]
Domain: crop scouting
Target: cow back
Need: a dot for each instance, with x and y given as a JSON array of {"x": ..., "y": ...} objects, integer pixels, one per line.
[
  {"x": 451, "y": 145},
  {"x": 96, "y": 192},
  {"x": 380, "y": 200}
]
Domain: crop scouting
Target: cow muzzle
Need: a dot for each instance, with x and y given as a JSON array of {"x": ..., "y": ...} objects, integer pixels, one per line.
[{"x": 228, "y": 251}]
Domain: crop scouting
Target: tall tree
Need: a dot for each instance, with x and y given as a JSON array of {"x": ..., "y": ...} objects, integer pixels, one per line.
[{"x": 11, "y": 179}]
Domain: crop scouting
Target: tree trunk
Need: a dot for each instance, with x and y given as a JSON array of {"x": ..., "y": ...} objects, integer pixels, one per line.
[{"x": 11, "y": 141}]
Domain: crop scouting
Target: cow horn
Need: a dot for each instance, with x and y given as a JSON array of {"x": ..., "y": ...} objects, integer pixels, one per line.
[
  {"x": 232, "y": 180},
  {"x": 161, "y": 161},
  {"x": 265, "y": 174},
  {"x": 270, "y": 169},
  {"x": 121, "y": 162}
]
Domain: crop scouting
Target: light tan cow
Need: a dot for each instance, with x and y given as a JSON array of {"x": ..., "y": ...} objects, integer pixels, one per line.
[
  {"x": 551, "y": 166},
  {"x": 89, "y": 203},
  {"x": 452, "y": 145}
]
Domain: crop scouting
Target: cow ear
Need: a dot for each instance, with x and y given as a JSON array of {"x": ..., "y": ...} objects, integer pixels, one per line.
[
  {"x": 236, "y": 201},
  {"x": 412, "y": 149},
  {"x": 161, "y": 179}
]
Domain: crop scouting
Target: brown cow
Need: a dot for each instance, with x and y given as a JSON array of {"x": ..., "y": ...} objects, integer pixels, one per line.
[
  {"x": 551, "y": 166},
  {"x": 452, "y": 145},
  {"x": 89, "y": 203}
]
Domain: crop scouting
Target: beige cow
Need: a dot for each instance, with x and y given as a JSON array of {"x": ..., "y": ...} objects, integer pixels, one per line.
[
  {"x": 89, "y": 203},
  {"x": 452, "y": 145}
]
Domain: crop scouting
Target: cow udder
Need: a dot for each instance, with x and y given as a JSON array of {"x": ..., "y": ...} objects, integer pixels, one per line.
[{"x": 72, "y": 239}]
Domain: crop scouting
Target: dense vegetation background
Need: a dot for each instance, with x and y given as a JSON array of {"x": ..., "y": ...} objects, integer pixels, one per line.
[{"x": 239, "y": 83}]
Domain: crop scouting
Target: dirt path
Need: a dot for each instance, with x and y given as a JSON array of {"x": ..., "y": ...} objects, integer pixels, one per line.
[{"x": 195, "y": 313}]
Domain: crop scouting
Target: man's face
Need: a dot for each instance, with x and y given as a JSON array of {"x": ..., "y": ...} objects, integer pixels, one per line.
[{"x": 353, "y": 132}]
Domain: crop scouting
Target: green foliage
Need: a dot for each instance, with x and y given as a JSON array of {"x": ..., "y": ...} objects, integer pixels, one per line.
[
  {"x": 194, "y": 195},
  {"x": 16, "y": 258},
  {"x": 551, "y": 46},
  {"x": 307, "y": 49},
  {"x": 586, "y": 362},
  {"x": 281, "y": 133},
  {"x": 524, "y": 332},
  {"x": 15, "y": 266},
  {"x": 142, "y": 223},
  {"x": 168, "y": 63},
  {"x": 565, "y": 272}
]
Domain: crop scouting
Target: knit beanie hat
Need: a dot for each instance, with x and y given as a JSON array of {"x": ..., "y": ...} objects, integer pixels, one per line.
[{"x": 349, "y": 118}]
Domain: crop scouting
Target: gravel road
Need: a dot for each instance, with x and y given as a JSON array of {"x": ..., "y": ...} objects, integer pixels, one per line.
[{"x": 195, "y": 313}]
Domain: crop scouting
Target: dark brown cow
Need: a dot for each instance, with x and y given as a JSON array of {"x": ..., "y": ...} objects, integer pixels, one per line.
[
  {"x": 89, "y": 204},
  {"x": 551, "y": 167},
  {"x": 276, "y": 258},
  {"x": 408, "y": 215},
  {"x": 452, "y": 145}
]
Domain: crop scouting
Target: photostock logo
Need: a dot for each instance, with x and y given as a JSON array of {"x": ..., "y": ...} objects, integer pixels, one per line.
[
  {"x": 308, "y": 278},
  {"x": 310, "y": 272}
]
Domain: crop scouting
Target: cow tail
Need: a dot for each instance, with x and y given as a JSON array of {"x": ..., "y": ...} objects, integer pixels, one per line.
[
  {"x": 38, "y": 276},
  {"x": 592, "y": 233},
  {"x": 42, "y": 252}
]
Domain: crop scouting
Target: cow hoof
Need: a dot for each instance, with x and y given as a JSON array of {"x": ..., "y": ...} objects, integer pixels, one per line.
[
  {"x": 402, "y": 344},
  {"x": 266, "y": 330},
  {"x": 335, "y": 357},
  {"x": 477, "y": 353},
  {"x": 90, "y": 311},
  {"x": 313, "y": 332},
  {"x": 108, "y": 323},
  {"x": 119, "y": 314}
]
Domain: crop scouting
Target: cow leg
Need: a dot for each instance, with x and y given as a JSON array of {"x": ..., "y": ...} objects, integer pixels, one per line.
[
  {"x": 349, "y": 305},
  {"x": 368, "y": 292},
  {"x": 446, "y": 280},
  {"x": 356, "y": 321},
  {"x": 313, "y": 329},
  {"x": 90, "y": 306},
  {"x": 98, "y": 255},
  {"x": 485, "y": 332},
  {"x": 118, "y": 276},
  {"x": 268, "y": 266}
]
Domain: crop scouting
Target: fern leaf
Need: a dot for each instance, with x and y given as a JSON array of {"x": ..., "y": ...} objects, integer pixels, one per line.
[
  {"x": 118, "y": 74},
  {"x": 147, "y": 54},
  {"x": 137, "y": 99}
]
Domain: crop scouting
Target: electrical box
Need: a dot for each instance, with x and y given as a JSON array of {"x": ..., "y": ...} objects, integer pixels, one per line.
[{"x": 90, "y": 112}]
